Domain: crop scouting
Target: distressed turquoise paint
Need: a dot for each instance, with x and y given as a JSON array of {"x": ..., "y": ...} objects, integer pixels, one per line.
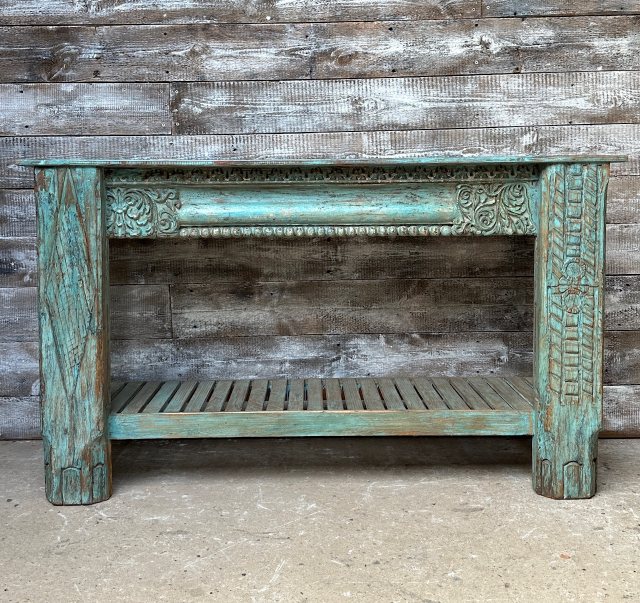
[
  {"x": 566, "y": 210},
  {"x": 569, "y": 310},
  {"x": 288, "y": 204},
  {"x": 319, "y": 423},
  {"x": 74, "y": 338}
]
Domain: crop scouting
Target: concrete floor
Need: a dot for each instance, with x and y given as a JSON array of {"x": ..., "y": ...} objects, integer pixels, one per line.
[{"x": 322, "y": 520}]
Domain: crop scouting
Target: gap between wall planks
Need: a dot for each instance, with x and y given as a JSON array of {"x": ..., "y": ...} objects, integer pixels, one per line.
[{"x": 129, "y": 87}]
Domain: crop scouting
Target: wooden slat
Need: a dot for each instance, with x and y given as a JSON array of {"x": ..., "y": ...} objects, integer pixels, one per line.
[
  {"x": 181, "y": 397},
  {"x": 490, "y": 396},
  {"x": 370, "y": 394},
  {"x": 124, "y": 396},
  {"x": 390, "y": 396},
  {"x": 116, "y": 386},
  {"x": 523, "y": 388},
  {"x": 200, "y": 396},
  {"x": 256, "y": 401},
  {"x": 314, "y": 395},
  {"x": 219, "y": 396},
  {"x": 319, "y": 50},
  {"x": 66, "y": 12},
  {"x": 296, "y": 394},
  {"x": 404, "y": 103},
  {"x": 510, "y": 395},
  {"x": 142, "y": 396},
  {"x": 277, "y": 394},
  {"x": 238, "y": 397},
  {"x": 162, "y": 397},
  {"x": 409, "y": 394},
  {"x": 429, "y": 395},
  {"x": 352, "y": 399},
  {"x": 450, "y": 396},
  {"x": 333, "y": 393},
  {"x": 471, "y": 397}
]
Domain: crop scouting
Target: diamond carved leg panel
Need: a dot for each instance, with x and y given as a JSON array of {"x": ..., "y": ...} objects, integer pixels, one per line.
[
  {"x": 74, "y": 335},
  {"x": 569, "y": 297}
]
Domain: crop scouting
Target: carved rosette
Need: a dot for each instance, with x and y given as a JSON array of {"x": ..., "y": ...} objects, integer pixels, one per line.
[
  {"x": 494, "y": 209},
  {"x": 138, "y": 212}
]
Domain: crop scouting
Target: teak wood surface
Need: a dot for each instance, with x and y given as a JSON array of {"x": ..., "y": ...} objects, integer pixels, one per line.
[{"x": 558, "y": 200}]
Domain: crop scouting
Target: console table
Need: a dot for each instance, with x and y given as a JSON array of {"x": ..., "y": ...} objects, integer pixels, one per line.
[{"x": 560, "y": 200}]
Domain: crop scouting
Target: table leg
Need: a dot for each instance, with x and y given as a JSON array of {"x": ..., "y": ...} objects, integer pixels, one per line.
[
  {"x": 568, "y": 342},
  {"x": 74, "y": 334}
]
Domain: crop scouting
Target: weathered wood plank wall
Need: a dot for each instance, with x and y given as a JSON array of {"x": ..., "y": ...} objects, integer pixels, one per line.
[{"x": 302, "y": 79}]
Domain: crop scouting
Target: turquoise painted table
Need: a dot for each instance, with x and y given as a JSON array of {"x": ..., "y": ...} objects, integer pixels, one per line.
[{"x": 81, "y": 204}]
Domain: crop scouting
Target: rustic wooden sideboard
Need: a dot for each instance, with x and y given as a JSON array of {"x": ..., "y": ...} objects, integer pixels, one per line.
[{"x": 81, "y": 204}]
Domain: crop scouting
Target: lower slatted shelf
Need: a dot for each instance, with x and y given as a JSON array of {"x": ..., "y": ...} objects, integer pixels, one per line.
[{"x": 322, "y": 407}]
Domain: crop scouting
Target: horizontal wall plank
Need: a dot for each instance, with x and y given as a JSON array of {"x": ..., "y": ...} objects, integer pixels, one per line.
[
  {"x": 20, "y": 418},
  {"x": 543, "y": 8},
  {"x": 354, "y": 306},
  {"x": 621, "y": 415},
  {"x": 623, "y": 249},
  {"x": 17, "y": 213},
  {"x": 19, "y": 375},
  {"x": 328, "y": 356},
  {"x": 623, "y": 200},
  {"x": 160, "y": 53},
  {"x": 77, "y": 109},
  {"x": 136, "y": 312},
  {"x": 536, "y": 140},
  {"x": 264, "y": 260},
  {"x": 18, "y": 262},
  {"x": 406, "y": 103},
  {"x": 99, "y": 12},
  {"x": 320, "y": 355},
  {"x": 622, "y": 303},
  {"x": 317, "y": 50},
  {"x": 622, "y": 358},
  {"x": 466, "y": 47}
]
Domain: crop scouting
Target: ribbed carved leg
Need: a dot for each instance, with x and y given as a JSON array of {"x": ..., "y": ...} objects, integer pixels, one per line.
[
  {"x": 74, "y": 335},
  {"x": 569, "y": 296}
]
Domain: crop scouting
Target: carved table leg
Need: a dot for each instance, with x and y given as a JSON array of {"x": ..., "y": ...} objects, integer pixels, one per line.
[
  {"x": 568, "y": 347},
  {"x": 74, "y": 334}
]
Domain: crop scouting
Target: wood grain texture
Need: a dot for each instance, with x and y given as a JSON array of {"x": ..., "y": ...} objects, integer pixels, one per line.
[
  {"x": 18, "y": 262},
  {"x": 203, "y": 52},
  {"x": 406, "y": 103},
  {"x": 621, "y": 411},
  {"x": 67, "y": 12},
  {"x": 74, "y": 335},
  {"x": 345, "y": 355},
  {"x": 264, "y": 260},
  {"x": 77, "y": 109},
  {"x": 17, "y": 213},
  {"x": 532, "y": 8},
  {"x": 19, "y": 418},
  {"x": 568, "y": 330}
]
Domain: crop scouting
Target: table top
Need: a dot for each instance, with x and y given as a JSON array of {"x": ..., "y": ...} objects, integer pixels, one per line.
[{"x": 434, "y": 160}]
